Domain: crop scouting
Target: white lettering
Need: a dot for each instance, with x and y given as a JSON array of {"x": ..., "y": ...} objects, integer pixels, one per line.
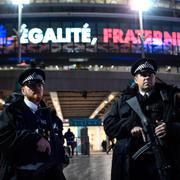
[
  {"x": 94, "y": 40},
  {"x": 24, "y": 37},
  {"x": 66, "y": 39},
  {"x": 70, "y": 35},
  {"x": 76, "y": 32},
  {"x": 86, "y": 34},
  {"x": 35, "y": 35},
  {"x": 24, "y": 34},
  {"x": 49, "y": 36}
]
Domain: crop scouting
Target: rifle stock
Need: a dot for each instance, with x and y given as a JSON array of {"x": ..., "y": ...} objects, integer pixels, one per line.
[{"x": 161, "y": 163}]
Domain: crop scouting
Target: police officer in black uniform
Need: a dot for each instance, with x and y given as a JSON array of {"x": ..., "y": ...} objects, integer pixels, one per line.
[
  {"x": 160, "y": 103},
  {"x": 31, "y": 141}
]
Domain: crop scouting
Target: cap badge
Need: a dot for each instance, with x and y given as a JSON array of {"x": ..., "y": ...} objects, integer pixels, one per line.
[
  {"x": 33, "y": 76},
  {"x": 146, "y": 65}
]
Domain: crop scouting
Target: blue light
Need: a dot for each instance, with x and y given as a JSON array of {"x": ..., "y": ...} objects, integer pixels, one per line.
[
  {"x": 4, "y": 40},
  {"x": 124, "y": 58},
  {"x": 2, "y": 35}
]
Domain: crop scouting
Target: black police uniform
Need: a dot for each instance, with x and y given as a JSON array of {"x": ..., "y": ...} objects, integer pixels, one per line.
[
  {"x": 20, "y": 130},
  {"x": 120, "y": 119}
]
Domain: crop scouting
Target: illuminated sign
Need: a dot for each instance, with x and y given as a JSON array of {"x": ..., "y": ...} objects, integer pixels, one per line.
[
  {"x": 85, "y": 122},
  {"x": 83, "y": 35},
  {"x": 76, "y": 35},
  {"x": 132, "y": 36},
  {"x": 88, "y": 39}
]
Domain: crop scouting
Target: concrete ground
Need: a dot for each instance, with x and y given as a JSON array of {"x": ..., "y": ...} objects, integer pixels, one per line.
[{"x": 96, "y": 166}]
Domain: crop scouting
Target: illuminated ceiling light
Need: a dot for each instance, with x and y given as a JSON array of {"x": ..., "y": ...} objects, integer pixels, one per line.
[
  {"x": 168, "y": 69},
  {"x": 78, "y": 59},
  {"x": 96, "y": 111},
  {"x": 112, "y": 66},
  {"x": 111, "y": 97},
  {"x": 57, "y": 67},
  {"x": 56, "y": 104},
  {"x": 2, "y": 101},
  {"x": 21, "y": 2},
  {"x": 140, "y": 5},
  {"x": 105, "y": 101},
  {"x": 103, "y": 104}
]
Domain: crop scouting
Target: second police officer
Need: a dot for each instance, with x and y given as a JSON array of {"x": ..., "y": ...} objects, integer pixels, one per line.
[
  {"x": 160, "y": 104},
  {"x": 31, "y": 141}
]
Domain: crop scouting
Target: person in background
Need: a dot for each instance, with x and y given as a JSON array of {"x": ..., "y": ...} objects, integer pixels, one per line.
[
  {"x": 161, "y": 105},
  {"x": 111, "y": 145},
  {"x": 31, "y": 141},
  {"x": 69, "y": 136},
  {"x": 104, "y": 145}
]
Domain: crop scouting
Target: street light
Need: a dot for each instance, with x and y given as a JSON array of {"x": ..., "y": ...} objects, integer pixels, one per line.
[
  {"x": 20, "y": 7},
  {"x": 140, "y": 6}
]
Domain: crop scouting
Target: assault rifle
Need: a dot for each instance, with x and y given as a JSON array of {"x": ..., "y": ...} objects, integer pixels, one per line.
[{"x": 153, "y": 142}]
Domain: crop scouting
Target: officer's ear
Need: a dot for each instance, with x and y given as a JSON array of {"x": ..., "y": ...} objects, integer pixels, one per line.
[
  {"x": 23, "y": 90},
  {"x": 135, "y": 78}
]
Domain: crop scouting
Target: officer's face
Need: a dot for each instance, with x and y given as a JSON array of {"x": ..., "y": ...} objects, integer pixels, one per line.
[
  {"x": 145, "y": 81},
  {"x": 33, "y": 92}
]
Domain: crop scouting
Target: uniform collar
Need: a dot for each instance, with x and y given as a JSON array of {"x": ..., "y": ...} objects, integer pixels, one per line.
[
  {"x": 31, "y": 105},
  {"x": 147, "y": 93}
]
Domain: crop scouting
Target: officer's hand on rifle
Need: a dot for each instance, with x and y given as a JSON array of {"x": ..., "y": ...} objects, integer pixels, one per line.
[
  {"x": 137, "y": 132},
  {"x": 160, "y": 130},
  {"x": 43, "y": 146}
]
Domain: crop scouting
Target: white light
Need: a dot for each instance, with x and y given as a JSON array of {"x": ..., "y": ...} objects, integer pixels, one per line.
[
  {"x": 57, "y": 67},
  {"x": 110, "y": 97},
  {"x": 20, "y": 1},
  {"x": 142, "y": 5},
  {"x": 103, "y": 104},
  {"x": 105, "y": 101},
  {"x": 2, "y": 101},
  {"x": 56, "y": 104},
  {"x": 96, "y": 111}
]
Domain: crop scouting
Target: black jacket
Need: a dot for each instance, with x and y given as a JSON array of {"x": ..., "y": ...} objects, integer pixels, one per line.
[
  {"x": 120, "y": 119},
  {"x": 20, "y": 130}
]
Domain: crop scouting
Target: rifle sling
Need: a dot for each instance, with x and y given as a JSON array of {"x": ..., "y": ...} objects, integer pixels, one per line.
[{"x": 141, "y": 150}]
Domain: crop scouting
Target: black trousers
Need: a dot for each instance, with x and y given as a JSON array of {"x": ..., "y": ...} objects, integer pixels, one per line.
[
  {"x": 48, "y": 174},
  {"x": 72, "y": 145}
]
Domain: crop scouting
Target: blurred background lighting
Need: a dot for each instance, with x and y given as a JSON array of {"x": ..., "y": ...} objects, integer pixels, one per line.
[{"x": 142, "y": 5}]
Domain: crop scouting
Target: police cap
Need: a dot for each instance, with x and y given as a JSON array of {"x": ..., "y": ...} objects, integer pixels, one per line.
[
  {"x": 144, "y": 65},
  {"x": 32, "y": 75}
]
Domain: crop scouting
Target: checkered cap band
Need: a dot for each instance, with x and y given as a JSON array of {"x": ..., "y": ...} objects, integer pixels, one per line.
[
  {"x": 146, "y": 65},
  {"x": 33, "y": 76}
]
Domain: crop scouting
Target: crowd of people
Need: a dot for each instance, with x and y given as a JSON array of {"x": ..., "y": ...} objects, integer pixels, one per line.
[{"x": 32, "y": 142}]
